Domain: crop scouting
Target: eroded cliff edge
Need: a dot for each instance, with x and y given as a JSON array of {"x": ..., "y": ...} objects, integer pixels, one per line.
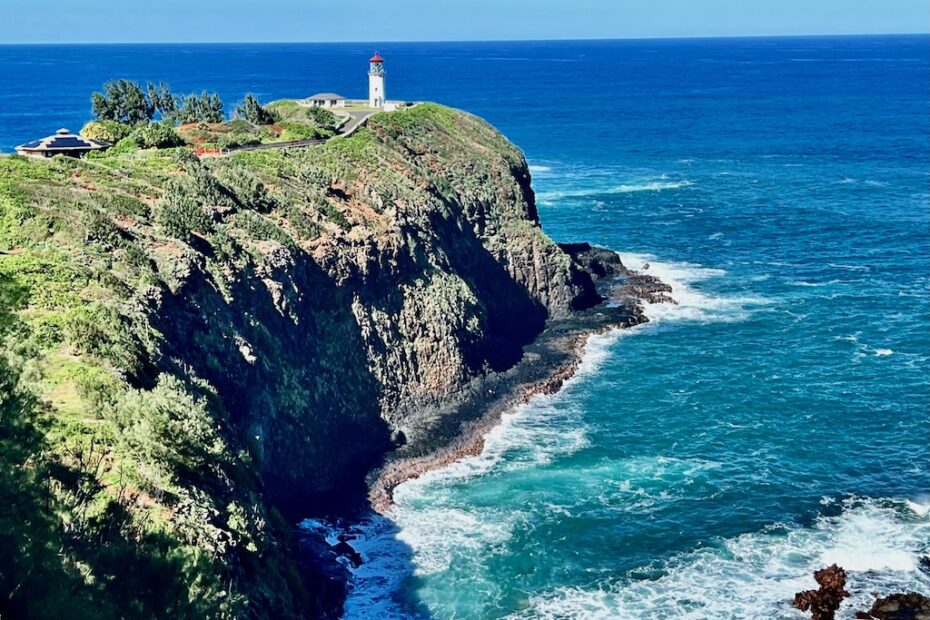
[{"x": 200, "y": 353}]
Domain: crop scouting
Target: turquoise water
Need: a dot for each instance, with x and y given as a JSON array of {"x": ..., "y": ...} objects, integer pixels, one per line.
[{"x": 702, "y": 466}]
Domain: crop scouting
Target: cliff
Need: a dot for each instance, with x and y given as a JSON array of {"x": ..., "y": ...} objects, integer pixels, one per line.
[{"x": 200, "y": 353}]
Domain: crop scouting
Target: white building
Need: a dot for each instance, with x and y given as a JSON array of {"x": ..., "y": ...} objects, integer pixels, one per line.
[
  {"x": 376, "y": 93},
  {"x": 328, "y": 100}
]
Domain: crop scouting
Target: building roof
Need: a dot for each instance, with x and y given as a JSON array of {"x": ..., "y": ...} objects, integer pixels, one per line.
[
  {"x": 326, "y": 97},
  {"x": 376, "y": 58},
  {"x": 63, "y": 142}
]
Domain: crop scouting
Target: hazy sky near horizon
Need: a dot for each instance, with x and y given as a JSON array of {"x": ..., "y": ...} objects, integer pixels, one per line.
[{"x": 106, "y": 21}]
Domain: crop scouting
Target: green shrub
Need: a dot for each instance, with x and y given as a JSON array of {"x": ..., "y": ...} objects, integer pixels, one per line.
[
  {"x": 259, "y": 227},
  {"x": 303, "y": 226},
  {"x": 121, "y": 204},
  {"x": 323, "y": 118},
  {"x": 203, "y": 108},
  {"x": 250, "y": 192},
  {"x": 169, "y": 430},
  {"x": 299, "y": 131},
  {"x": 204, "y": 189},
  {"x": 225, "y": 247},
  {"x": 314, "y": 177},
  {"x": 107, "y": 335},
  {"x": 237, "y": 139},
  {"x": 108, "y": 131},
  {"x": 186, "y": 157},
  {"x": 333, "y": 214},
  {"x": 157, "y": 136},
  {"x": 100, "y": 230},
  {"x": 127, "y": 145},
  {"x": 179, "y": 216},
  {"x": 241, "y": 126}
]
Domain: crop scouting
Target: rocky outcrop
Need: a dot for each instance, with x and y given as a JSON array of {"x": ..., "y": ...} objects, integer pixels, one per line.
[
  {"x": 906, "y": 606},
  {"x": 824, "y": 602}
]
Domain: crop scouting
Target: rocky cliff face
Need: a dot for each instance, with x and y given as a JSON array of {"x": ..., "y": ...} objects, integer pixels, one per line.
[{"x": 247, "y": 337}]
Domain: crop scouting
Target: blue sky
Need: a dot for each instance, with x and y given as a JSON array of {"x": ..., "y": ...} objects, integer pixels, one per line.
[{"x": 84, "y": 21}]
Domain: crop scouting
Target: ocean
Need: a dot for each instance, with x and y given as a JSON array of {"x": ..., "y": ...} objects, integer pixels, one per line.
[{"x": 775, "y": 421}]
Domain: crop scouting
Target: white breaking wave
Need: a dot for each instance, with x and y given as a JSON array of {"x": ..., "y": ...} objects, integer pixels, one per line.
[
  {"x": 625, "y": 188},
  {"x": 693, "y": 304},
  {"x": 921, "y": 510},
  {"x": 536, "y": 169},
  {"x": 806, "y": 284},
  {"x": 755, "y": 576}
]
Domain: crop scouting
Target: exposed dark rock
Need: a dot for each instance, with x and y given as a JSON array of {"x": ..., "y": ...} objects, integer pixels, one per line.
[
  {"x": 617, "y": 282},
  {"x": 599, "y": 262},
  {"x": 910, "y": 606},
  {"x": 825, "y": 601},
  {"x": 325, "y": 576},
  {"x": 924, "y": 564},
  {"x": 344, "y": 549}
]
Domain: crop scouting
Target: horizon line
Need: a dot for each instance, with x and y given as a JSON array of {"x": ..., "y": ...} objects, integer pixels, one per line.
[{"x": 522, "y": 40}]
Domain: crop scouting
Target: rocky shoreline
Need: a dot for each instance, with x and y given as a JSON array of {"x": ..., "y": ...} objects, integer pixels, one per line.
[
  {"x": 547, "y": 363},
  {"x": 458, "y": 429}
]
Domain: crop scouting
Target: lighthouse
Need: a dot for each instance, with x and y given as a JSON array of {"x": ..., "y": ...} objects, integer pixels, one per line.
[{"x": 376, "y": 81}]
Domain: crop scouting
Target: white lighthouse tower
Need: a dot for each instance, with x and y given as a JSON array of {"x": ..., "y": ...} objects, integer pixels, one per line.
[{"x": 376, "y": 96}]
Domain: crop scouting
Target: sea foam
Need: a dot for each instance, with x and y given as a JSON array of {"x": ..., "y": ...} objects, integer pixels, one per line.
[
  {"x": 754, "y": 576},
  {"x": 693, "y": 304},
  {"x": 552, "y": 197}
]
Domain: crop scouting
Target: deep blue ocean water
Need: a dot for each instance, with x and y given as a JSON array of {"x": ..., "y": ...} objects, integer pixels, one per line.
[{"x": 775, "y": 421}]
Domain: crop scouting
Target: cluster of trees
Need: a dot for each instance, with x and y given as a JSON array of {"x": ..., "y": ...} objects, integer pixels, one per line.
[
  {"x": 203, "y": 108},
  {"x": 132, "y": 115},
  {"x": 127, "y": 102}
]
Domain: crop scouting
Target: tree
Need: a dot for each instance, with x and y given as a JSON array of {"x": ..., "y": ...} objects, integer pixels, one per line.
[
  {"x": 122, "y": 101},
  {"x": 127, "y": 102},
  {"x": 251, "y": 110},
  {"x": 203, "y": 108},
  {"x": 162, "y": 100}
]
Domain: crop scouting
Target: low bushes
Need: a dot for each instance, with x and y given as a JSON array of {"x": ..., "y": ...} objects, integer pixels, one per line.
[{"x": 108, "y": 131}]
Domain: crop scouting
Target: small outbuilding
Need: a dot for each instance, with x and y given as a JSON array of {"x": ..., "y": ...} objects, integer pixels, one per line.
[
  {"x": 328, "y": 100},
  {"x": 62, "y": 143}
]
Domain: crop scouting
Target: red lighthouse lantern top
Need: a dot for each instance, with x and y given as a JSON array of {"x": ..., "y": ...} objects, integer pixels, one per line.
[{"x": 376, "y": 58}]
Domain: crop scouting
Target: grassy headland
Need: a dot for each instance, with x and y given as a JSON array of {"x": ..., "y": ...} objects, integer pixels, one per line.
[{"x": 197, "y": 353}]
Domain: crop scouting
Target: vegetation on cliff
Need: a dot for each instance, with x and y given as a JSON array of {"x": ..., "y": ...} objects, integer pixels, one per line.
[
  {"x": 130, "y": 115},
  {"x": 194, "y": 349}
]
